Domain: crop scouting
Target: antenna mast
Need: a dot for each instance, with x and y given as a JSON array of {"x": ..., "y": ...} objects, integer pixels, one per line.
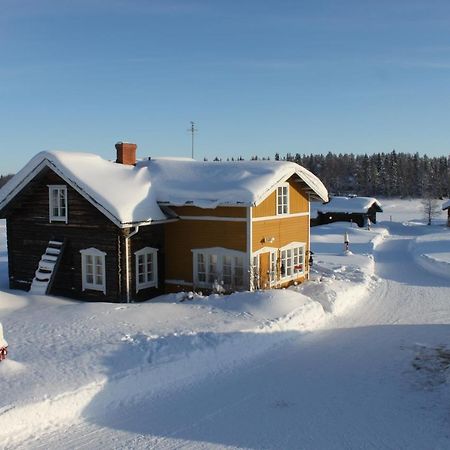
[{"x": 193, "y": 130}]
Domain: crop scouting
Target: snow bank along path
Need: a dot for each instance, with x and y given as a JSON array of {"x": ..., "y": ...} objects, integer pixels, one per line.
[
  {"x": 432, "y": 252},
  {"x": 146, "y": 364}
]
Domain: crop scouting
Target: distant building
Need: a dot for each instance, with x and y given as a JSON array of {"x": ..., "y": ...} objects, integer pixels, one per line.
[
  {"x": 349, "y": 209},
  {"x": 446, "y": 206}
]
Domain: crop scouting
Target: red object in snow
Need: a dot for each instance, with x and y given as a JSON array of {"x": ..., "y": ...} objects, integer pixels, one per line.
[{"x": 3, "y": 353}]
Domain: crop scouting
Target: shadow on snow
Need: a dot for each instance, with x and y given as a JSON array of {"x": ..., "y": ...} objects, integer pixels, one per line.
[{"x": 344, "y": 388}]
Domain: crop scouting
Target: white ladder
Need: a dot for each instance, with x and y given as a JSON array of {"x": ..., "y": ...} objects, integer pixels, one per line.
[{"x": 46, "y": 268}]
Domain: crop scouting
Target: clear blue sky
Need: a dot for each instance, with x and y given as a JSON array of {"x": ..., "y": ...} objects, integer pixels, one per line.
[{"x": 256, "y": 76}]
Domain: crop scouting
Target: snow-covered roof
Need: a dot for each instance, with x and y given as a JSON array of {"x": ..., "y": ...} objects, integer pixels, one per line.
[
  {"x": 132, "y": 194},
  {"x": 349, "y": 205},
  {"x": 446, "y": 204},
  {"x": 210, "y": 184}
]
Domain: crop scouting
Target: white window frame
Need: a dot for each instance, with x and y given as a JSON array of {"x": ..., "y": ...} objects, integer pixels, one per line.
[
  {"x": 294, "y": 247},
  {"x": 220, "y": 253},
  {"x": 94, "y": 253},
  {"x": 147, "y": 283},
  {"x": 59, "y": 217},
  {"x": 282, "y": 199}
]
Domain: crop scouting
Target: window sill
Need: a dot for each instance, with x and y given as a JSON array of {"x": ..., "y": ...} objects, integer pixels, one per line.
[
  {"x": 94, "y": 288},
  {"x": 141, "y": 287}
]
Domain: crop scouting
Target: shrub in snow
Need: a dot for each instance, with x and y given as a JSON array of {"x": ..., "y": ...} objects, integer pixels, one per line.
[{"x": 218, "y": 288}]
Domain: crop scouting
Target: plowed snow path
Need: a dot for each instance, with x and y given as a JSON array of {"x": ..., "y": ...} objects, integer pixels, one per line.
[{"x": 349, "y": 386}]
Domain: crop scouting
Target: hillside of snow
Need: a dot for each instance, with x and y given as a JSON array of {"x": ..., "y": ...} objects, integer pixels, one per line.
[{"x": 356, "y": 358}]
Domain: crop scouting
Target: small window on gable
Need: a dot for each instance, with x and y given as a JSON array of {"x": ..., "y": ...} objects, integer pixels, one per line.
[
  {"x": 283, "y": 199},
  {"x": 146, "y": 268},
  {"x": 57, "y": 195},
  {"x": 93, "y": 275}
]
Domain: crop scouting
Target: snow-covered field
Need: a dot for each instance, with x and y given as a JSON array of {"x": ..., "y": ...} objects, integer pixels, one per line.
[{"x": 356, "y": 358}]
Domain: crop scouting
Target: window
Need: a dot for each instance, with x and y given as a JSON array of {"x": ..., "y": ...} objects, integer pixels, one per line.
[
  {"x": 146, "y": 268},
  {"x": 283, "y": 199},
  {"x": 57, "y": 195},
  {"x": 218, "y": 264},
  {"x": 292, "y": 260},
  {"x": 273, "y": 268},
  {"x": 93, "y": 269}
]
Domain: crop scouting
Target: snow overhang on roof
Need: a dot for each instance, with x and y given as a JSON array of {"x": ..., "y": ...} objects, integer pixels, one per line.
[
  {"x": 131, "y": 195},
  {"x": 122, "y": 192},
  {"x": 236, "y": 183},
  {"x": 350, "y": 205},
  {"x": 446, "y": 204}
]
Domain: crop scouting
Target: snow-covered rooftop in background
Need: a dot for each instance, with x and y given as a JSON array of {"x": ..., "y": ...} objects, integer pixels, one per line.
[
  {"x": 349, "y": 205},
  {"x": 446, "y": 205},
  {"x": 130, "y": 194}
]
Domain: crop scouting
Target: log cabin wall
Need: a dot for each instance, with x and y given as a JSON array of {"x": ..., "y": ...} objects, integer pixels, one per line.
[
  {"x": 29, "y": 232},
  {"x": 147, "y": 236},
  {"x": 184, "y": 235}
]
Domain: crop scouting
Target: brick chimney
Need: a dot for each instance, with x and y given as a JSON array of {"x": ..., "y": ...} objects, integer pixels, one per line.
[{"x": 126, "y": 153}]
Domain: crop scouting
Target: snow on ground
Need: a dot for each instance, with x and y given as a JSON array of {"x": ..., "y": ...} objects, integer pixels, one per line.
[
  {"x": 63, "y": 352},
  {"x": 408, "y": 212},
  {"x": 356, "y": 358}
]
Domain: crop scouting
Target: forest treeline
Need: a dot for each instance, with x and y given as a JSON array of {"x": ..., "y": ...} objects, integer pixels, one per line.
[{"x": 380, "y": 174}]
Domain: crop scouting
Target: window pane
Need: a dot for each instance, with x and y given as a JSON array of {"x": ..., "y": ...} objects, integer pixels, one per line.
[
  {"x": 212, "y": 263},
  {"x": 62, "y": 197},
  {"x": 238, "y": 276},
  {"x": 55, "y": 201},
  {"x": 201, "y": 262},
  {"x": 90, "y": 278},
  {"x": 201, "y": 267},
  {"x": 212, "y": 268},
  {"x": 226, "y": 266}
]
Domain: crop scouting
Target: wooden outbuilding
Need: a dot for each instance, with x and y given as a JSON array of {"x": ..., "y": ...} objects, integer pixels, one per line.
[
  {"x": 359, "y": 210},
  {"x": 87, "y": 228}
]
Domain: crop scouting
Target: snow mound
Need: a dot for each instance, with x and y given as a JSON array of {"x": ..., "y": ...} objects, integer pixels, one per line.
[{"x": 432, "y": 253}]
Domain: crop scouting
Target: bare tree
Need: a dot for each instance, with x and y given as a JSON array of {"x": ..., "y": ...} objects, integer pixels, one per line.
[{"x": 430, "y": 208}]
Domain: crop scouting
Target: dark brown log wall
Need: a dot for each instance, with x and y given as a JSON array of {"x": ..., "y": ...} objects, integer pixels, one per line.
[
  {"x": 148, "y": 236},
  {"x": 29, "y": 231}
]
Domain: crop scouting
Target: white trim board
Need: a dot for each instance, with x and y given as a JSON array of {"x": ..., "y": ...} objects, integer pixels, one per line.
[
  {"x": 281, "y": 216},
  {"x": 249, "y": 237},
  {"x": 214, "y": 218}
]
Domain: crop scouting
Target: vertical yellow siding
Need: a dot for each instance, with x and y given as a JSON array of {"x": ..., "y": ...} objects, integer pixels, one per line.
[
  {"x": 283, "y": 232},
  {"x": 185, "y": 235},
  {"x": 298, "y": 202},
  {"x": 279, "y": 231}
]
